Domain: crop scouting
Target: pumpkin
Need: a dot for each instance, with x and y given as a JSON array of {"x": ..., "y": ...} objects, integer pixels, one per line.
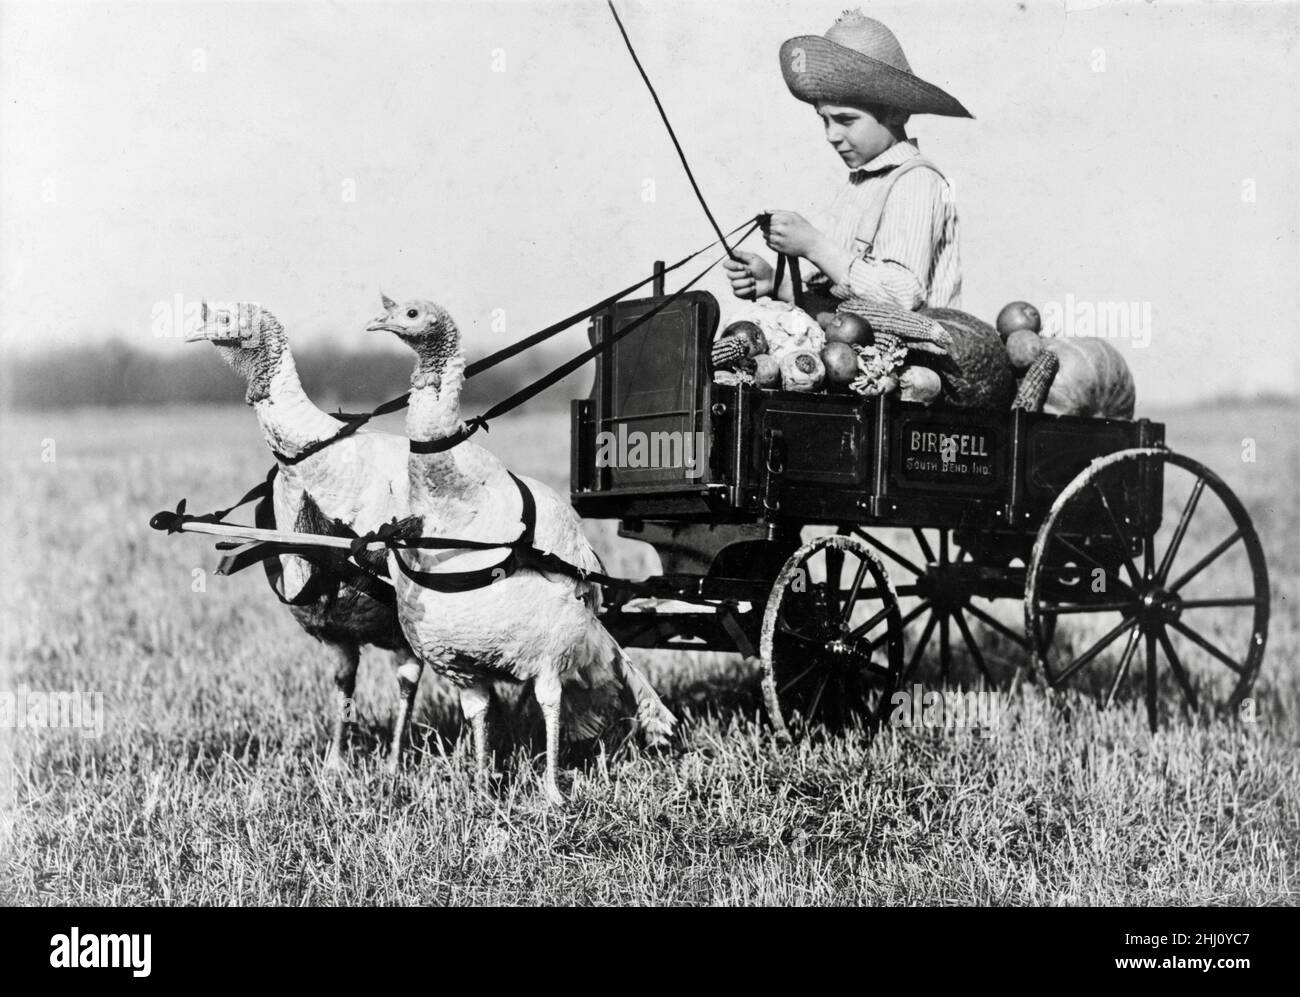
[
  {"x": 976, "y": 373},
  {"x": 1093, "y": 380}
]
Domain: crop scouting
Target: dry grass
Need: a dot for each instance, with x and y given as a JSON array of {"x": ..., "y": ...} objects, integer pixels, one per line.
[{"x": 207, "y": 784}]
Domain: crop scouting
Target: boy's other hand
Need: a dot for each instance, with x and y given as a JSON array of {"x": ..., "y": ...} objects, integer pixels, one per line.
[
  {"x": 792, "y": 234},
  {"x": 750, "y": 275}
]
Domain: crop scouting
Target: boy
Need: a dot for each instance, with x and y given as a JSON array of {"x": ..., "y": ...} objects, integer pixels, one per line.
[{"x": 891, "y": 233}]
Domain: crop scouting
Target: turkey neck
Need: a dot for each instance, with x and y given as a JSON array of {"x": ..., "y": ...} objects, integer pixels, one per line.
[
  {"x": 289, "y": 420},
  {"x": 433, "y": 413}
]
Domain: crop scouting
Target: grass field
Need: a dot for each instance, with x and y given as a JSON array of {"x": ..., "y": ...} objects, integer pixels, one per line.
[{"x": 206, "y": 786}]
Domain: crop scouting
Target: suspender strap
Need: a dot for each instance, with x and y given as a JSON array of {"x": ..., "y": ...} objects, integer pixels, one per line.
[{"x": 871, "y": 220}]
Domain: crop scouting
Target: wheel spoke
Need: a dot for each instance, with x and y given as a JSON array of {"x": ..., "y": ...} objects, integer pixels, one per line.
[
  {"x": 996, "y": 624},
  {"x": 1096, "y": 649},
  {"x": 1243, "y": 600},
  {"x": 854, "y": 589},
  {"x": 926, "y": 550},
  {"x": 1204, "y": 562},
  {"x": 1206, "y": 646},
  {"x": 1133, "y": 637},
  {"x": 920, "y": 608},
  {"x": 1129, "y": 566},
  {"x": 1179, "y": 673},
  {"x": 972, "y": 646},
  {"x": 921, "y": 645},
  {"x": 1079, "y": 552},
  {"x": 1152, "y": 717},
  {"x": 945, "y": 652},
  {"x": 834, "y": 569},
  {"x": 1171, "y": 551},
  {"x": 1066, "y": 609},
  {"x": 817, "y": 697},
  {"x": 890, "y": 552},
  {"x": 802, "y": 638},
  {"x": 797, "y": 679},
  {"x": 943, "y": 546},
  {"x": 871, "y": 623}
]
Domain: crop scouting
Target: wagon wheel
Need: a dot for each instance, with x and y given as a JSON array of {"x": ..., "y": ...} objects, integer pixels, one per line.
[
  {"x": 944, "y": 578},
  {"x": 1154, "y": 590},
  {"x": 830, "y": 653}
]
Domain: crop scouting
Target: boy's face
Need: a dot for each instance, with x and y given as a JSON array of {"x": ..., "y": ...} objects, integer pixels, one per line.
[{"x": 856, "y": 134}]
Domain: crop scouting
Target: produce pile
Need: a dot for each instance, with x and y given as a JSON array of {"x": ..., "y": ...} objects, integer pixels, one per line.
[
  {"x": 937, "y": 355},
  {"x": 773, "y": 344}
]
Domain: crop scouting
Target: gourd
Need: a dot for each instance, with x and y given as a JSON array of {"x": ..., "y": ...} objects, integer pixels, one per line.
[{"x": 1093, "y": 380}]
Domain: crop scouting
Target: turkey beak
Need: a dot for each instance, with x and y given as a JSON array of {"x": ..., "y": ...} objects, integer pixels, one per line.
[{"x": 380, "y": 324}]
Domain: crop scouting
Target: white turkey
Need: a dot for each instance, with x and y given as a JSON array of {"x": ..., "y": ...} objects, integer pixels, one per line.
[
  {"x": 359, "y": 481},
  {"x": 517, "y": 621}
]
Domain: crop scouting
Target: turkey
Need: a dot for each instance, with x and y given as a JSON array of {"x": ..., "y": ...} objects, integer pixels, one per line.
[
  {"x": 511, "y": 619},
  {"x": 360, "y": 480}
]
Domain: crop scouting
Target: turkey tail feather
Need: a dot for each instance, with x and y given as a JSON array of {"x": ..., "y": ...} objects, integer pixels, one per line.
[{"x": 607, "y": 675}]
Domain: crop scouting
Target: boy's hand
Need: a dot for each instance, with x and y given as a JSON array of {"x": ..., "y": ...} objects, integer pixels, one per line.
[
  {"x": 750, "y": 275},
  {"x": 792, "y": 234}
]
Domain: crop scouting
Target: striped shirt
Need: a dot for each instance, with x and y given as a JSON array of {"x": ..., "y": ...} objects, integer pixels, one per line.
[{"x": 912, "y": 259}]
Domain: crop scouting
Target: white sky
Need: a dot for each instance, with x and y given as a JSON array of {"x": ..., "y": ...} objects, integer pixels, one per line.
[{"x": 129, "y": 178}]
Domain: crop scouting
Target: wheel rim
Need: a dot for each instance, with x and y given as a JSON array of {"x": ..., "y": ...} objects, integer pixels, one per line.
[
  {"x": 1183, "y": 605},
  {"x": 940, "y": 577},
  {"x": 831, "y": 644}
]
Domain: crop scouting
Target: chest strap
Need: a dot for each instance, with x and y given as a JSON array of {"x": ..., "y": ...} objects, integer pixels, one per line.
[{"x": 518, "y": 553}]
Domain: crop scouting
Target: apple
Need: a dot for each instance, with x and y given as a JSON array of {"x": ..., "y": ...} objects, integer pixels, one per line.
[
  {"x": 824, "y": 319},
  {"x": 1019, "y": 315},
  {"x": 841, "y": 362},
  {"x": 851, "y": 329},
  {"x": 1023, "y": 347}
]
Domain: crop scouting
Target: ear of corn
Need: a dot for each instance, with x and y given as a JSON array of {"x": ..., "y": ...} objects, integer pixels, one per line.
[
  {"x": 727, "y": 352},
  {"x": 1037, "y": 381}
]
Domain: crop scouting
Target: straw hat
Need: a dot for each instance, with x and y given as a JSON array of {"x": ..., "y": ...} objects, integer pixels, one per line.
[{"x": 860, "y": 62}]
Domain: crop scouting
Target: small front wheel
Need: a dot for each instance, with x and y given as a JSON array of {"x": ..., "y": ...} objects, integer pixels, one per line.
[{"x": 832, "y": 638}]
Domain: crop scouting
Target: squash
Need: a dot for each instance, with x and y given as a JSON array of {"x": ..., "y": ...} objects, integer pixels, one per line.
[
  {"x": 1093, "y": 380},
  {"x": 976, "y": 373}
]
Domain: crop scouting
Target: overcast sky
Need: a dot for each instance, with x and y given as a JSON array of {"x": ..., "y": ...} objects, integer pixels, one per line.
[{"x": 496, "y": 156}]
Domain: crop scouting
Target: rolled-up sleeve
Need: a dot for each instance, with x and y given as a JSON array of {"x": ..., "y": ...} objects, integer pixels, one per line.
[{"x": 899, "y": 265}]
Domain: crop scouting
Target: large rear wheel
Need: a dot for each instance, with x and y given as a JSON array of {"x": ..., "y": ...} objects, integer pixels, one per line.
[{"x": 1153, "y": 566}]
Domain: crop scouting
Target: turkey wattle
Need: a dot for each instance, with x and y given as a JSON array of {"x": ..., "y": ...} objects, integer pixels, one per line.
[{"x": 527, "y": 625}]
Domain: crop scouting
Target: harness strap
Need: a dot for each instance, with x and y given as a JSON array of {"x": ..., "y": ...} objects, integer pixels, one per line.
[
  {"x": 516, "y": 555},
  {"x": 329, "y": 570}
]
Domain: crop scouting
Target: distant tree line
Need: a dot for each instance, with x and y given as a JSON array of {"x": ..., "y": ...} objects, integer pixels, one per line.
[{"x": 116, "y": 373}]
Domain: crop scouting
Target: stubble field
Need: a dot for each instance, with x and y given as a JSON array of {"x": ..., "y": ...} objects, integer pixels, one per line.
[{"x": 206, "y": 785}]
